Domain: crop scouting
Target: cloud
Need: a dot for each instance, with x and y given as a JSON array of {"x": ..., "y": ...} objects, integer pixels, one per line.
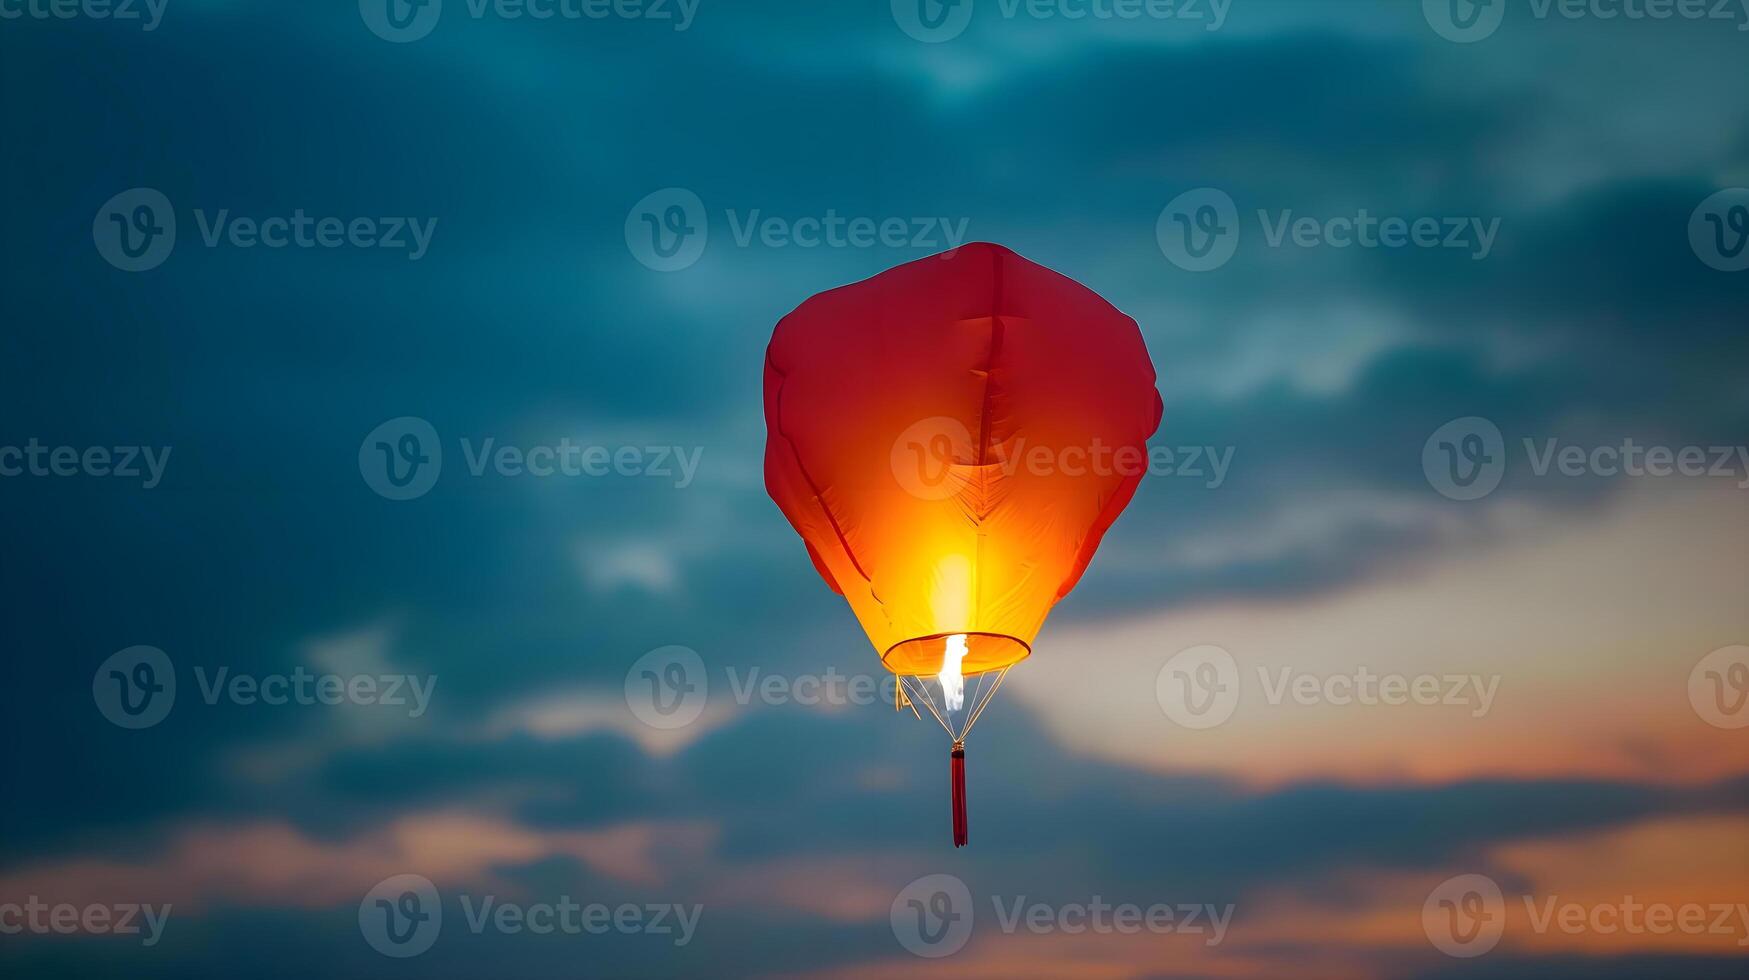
[
  {"x": 270, "y": 863},
  {"x": 567, "y": 715},
  {"x": 1592, "y": 651}
]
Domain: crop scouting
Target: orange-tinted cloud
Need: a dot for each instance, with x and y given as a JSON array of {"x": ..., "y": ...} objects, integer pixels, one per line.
[
  {"x": 1591, "y": 628},
  {"x": 271, "y": 863}
]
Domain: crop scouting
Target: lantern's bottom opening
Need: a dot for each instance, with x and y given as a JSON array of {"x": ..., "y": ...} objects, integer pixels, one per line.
[{"x": 922, "y": 655}]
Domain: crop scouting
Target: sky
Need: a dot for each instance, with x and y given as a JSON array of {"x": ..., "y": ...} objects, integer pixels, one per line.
[{"x": 1420, "y": 651}]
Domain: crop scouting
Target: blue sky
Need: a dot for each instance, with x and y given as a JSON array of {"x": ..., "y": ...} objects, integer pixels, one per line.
[{"x": 526, "y": 146}]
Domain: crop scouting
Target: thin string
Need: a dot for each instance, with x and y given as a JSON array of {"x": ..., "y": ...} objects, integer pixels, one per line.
[
  {"x": 928, "y": 702},
  {"x": 918, "y": 691},
  {"x": 984, "y": 700}
]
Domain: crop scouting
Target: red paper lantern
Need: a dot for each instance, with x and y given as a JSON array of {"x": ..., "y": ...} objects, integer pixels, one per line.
[{"x": 952, "y": 438}]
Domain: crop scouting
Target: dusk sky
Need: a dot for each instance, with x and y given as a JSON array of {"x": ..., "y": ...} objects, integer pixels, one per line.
[{"x": 381, "y": 428}]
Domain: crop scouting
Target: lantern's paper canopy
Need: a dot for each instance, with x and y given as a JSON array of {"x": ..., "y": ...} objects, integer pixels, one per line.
[{"x": 951, "y": 439}]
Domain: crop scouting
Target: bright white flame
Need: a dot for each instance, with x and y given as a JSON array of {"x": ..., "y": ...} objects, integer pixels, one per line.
[{"x": 953, "y": 685}]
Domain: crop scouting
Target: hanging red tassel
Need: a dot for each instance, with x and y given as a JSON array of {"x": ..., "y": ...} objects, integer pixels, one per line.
[{"x": 959, "y": 794}]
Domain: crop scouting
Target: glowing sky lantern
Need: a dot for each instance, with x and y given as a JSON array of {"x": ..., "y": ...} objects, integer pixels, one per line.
[{"x": 951, "y": 439}]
